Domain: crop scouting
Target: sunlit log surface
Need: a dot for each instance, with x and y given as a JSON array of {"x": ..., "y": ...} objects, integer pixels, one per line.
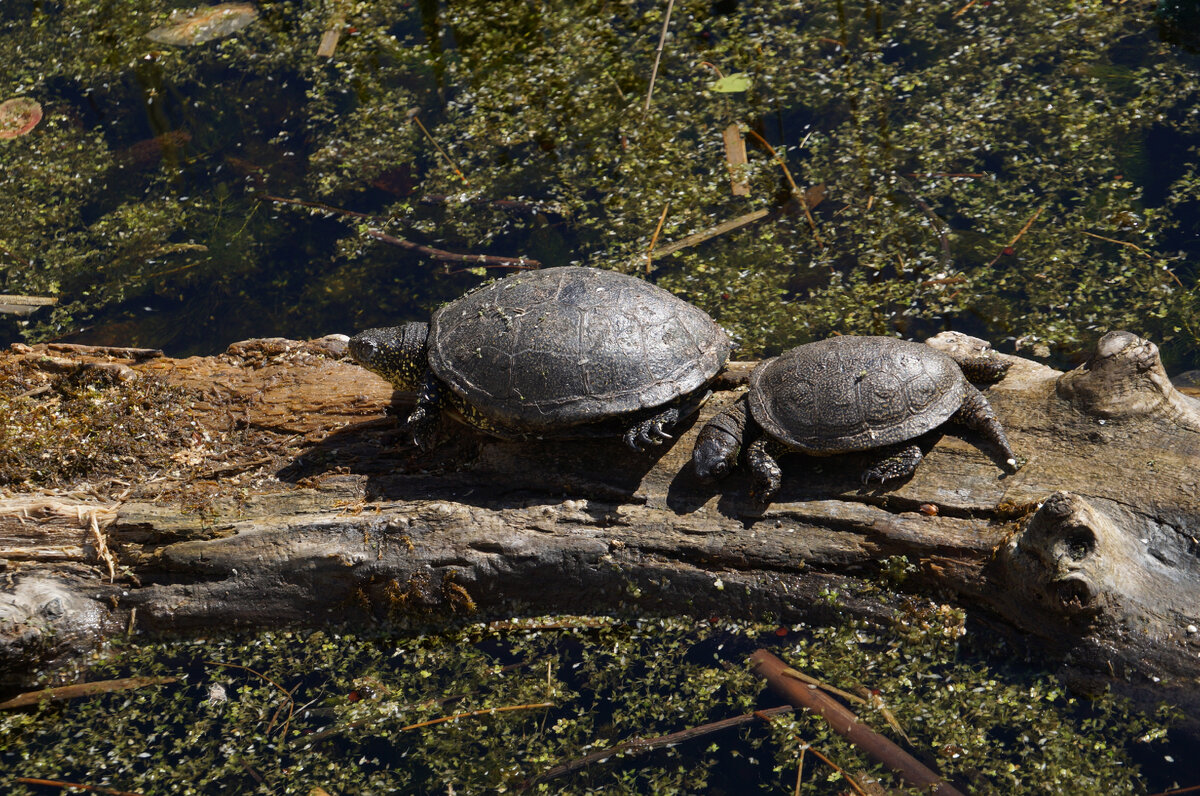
[{"x": 1087, "y": 555}]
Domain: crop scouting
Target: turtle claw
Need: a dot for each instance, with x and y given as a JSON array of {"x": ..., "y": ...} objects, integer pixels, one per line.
[
  {"x": 647, "y": 438},
  {"x": 654, "y": 435},
  {"x": 423, "y": 425},
  {"x": 651, "y": 431}
]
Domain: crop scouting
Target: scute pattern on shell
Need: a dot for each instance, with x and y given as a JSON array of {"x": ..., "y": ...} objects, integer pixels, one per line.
[
  {"x": 563, "y": 346},
  {"x": 855, "y": 393}
]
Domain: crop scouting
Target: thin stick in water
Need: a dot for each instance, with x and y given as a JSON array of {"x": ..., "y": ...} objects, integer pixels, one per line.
[{"x": 662, "y": 41}]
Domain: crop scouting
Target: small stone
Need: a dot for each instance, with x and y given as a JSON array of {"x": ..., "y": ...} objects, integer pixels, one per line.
[{"x": 1191, "y": 629}]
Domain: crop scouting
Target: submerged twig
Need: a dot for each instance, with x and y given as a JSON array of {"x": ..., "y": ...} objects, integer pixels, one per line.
[
  {"x": 519, "y": 205},
  {"x": 331, "y": 209},
  {"x": 286, "y": 693},
  {"x": 473, "y": 713},
  {"x": 962, "y": 10},
  {"x": 485, "y": 260},
  {"x": 662, "y": 41},
  {"x": 847, "y": 724},
  {"x": 641, "y": 745},
  {"x": 1007, "y": 249},
  {"x": 802, "y": 198},
  {"x": 83, "y": 689},
  {"x": 54, "y": 783},
  {"x": 939, "y": 226},
  {"x": 412, "y": 115},
  {"x": 1133, "y": 246},
  {"x": 712, "y": 232},
  {"x": 654, "y": 237}
]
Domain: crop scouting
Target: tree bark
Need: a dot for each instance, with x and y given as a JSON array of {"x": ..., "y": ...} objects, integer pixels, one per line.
[{"x": 298, "y": 501}]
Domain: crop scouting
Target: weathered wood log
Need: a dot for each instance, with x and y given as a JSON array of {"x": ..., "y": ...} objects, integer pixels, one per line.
[{"x": 298, "y": 501}]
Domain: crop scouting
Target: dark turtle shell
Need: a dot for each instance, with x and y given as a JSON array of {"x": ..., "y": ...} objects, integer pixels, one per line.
[
  {"x": 854, "y": 393},
  {"x": 549, "y": 349}
]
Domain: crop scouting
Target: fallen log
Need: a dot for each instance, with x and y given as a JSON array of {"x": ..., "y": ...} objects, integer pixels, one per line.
[{"x": 292, "y": 498}]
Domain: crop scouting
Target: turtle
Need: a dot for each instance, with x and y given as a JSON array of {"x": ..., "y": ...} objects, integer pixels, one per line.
[
  {"x": 565, "y": 352},
  {"x": 848, "y": 394}
]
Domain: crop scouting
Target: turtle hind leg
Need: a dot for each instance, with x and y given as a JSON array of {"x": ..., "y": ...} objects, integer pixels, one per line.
[
  {"x": 764, "y": 470},
  {"x": 894, "y": 462},
  {"x": 652, "y": 430},
  {"x": 984, "y": 368},
  {"x": 977, "y": 414}
]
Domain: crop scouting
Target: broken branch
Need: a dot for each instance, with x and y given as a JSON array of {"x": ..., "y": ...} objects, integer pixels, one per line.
[
  {"x": 83, "y": 689},
  {"x": 642, "y": 745},
  {"x": 846, "y": 723}
]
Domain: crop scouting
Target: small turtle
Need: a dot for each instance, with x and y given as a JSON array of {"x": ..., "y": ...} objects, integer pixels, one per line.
[
  {"x": 559, "y": 352},
  {"x": 849, "y": 394}
]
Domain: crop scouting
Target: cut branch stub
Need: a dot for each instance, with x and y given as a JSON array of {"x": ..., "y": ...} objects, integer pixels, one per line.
[{"x": 1124, "y": 378}]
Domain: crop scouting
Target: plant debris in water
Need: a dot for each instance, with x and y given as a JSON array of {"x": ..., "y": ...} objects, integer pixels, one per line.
[
  {"x": 19, "y": 116},
  {"x": 287, "y": 712},
  {"x": 204, "y": 24}
]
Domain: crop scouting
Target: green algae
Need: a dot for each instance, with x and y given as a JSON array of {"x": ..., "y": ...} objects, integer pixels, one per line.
[{"x": 285, "y": 712}]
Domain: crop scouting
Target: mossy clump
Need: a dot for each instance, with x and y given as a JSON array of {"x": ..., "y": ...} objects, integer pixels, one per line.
[
  {"x": 289, "y": 712},
  {"x": 87, "y": 423}
]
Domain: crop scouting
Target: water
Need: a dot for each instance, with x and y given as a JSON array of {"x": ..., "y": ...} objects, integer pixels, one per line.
[{"x": 147, "y": 180}]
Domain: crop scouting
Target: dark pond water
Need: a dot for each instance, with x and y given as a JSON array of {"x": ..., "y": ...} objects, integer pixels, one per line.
[{"x": 147, "y": 199}]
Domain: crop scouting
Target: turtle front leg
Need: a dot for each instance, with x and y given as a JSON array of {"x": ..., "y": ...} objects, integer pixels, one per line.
[
  {"x": 426, "y": 419},
  {"x": 977, "y": 414},
  {"x": 764, "y": 470},
  {"x": 896, "y": 462}
]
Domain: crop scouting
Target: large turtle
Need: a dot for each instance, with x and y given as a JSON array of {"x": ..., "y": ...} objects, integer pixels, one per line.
[
  {"x": 849, "y": 394},
  {"x": 559, "y": 352}
]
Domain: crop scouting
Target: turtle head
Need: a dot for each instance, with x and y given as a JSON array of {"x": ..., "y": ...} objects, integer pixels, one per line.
[
  {"x": 719, "y": 442},
  {"x": 397, "y": 353}
]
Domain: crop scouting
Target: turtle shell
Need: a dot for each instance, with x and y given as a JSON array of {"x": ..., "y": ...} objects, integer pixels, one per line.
[
  {"x": 855, "y": 393},
  {"x": 553, "y": 348}
]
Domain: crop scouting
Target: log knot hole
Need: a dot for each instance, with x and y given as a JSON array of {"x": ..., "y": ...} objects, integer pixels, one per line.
[{"x": 1057, "y": 557}]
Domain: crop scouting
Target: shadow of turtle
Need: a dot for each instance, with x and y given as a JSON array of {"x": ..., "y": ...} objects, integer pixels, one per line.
[{"x": 467, "y": 466}]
